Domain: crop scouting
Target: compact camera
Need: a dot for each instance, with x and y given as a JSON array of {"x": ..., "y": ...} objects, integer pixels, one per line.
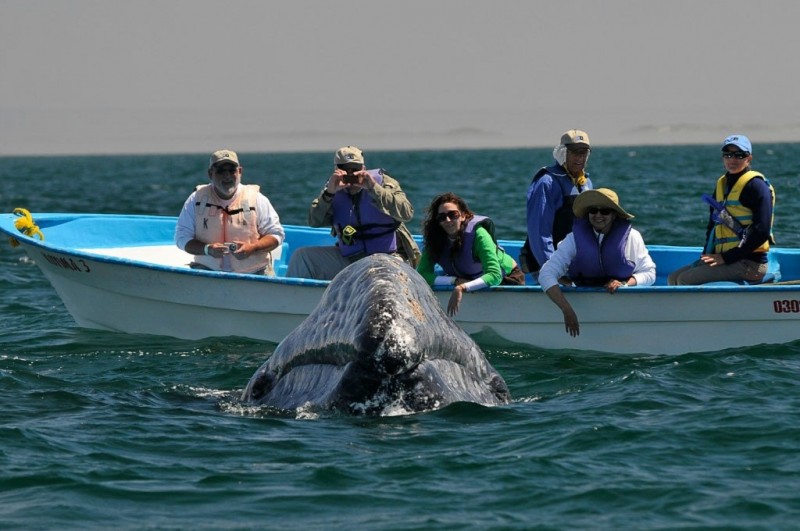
[
  {"x": 231, "y": 246},
  {"x": 351, "y": 179}
]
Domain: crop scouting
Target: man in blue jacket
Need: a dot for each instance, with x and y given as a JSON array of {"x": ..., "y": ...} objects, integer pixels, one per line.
[{"x": 550, "y": 196}]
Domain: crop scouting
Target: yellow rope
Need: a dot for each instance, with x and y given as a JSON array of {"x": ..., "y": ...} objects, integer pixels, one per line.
[{"x": 25, "y": 225}]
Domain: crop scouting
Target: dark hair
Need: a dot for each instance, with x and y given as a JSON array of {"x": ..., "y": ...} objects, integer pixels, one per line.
[{"x": 434, "y": 238}]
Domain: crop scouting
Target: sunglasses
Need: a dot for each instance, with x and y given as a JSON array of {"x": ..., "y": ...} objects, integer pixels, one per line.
[
  {"x": 225, "y": 168},
  {"x": 580, "y": 151},
  {"x": 350, "y": 168},
  {"x": 739, "y": 155},
  {"x": 451, "y": 216},
  {"x": 603, "y": 211}
]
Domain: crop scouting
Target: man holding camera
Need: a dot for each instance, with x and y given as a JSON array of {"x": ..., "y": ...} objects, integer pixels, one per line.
[
  {"x": 366, "y": 210},
  {"x": 227, "y": 225}
]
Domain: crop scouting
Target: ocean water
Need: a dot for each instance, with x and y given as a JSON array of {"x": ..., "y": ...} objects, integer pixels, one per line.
[{"x": 103, "y": 430}]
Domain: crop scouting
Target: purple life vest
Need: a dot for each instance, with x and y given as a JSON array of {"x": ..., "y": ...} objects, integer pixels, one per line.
[
  {"x": 465, "y": 264},
  {"x": 374, "y": 230},
  {"x": 594, "y": 264}
]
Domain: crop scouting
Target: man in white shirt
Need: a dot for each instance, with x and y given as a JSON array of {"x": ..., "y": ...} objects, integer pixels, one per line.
[{"x": 227, "y": 225}]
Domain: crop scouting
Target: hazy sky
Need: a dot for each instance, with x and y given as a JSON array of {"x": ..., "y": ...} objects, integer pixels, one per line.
[{"x": 119, "y": 76}]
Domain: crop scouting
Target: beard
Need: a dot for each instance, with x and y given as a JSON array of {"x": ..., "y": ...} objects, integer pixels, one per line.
[{"x": 226, "y": 191}]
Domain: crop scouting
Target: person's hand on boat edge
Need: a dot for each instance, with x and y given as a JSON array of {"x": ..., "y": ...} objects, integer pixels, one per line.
[{"x": 613, "y": 285}]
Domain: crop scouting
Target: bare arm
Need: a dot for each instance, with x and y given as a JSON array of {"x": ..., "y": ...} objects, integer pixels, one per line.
[{"x": 570, "y": 317}]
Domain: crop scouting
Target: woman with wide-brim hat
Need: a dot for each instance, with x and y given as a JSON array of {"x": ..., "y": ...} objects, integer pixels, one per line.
[{"x": 603, "y": 249}]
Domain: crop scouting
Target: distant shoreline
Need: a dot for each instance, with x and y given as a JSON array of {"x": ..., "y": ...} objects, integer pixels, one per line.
[
  {"x": 373, "y": 149},
  {"x": 43, "y": 132}
]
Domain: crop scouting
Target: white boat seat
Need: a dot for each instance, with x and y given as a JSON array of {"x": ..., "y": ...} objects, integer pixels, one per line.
[{"x": 168, "y": 255}]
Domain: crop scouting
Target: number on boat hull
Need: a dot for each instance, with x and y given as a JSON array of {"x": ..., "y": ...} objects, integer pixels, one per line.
[{"x": 786, "y": 306}]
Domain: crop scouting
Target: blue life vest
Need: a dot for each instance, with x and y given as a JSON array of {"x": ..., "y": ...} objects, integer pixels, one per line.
[
  {"x": 360, "y": 226},
  {"x": 594, "y": 264},
  {"x": 465, "y": 264},
  {"x": 562, "y": 221},
  {"x": 564, "y": 218}
]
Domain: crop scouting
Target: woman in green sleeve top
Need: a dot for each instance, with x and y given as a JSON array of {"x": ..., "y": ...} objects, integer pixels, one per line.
[{"x": 463, "y": 244}]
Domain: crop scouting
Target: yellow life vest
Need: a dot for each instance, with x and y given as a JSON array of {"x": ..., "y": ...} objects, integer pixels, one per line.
[
  {"x": 724, "y": 237},
  {"x": 214, "y": 222}
]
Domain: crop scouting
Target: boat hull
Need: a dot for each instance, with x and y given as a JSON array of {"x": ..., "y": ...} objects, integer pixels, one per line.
[{"x": 131, "y": 299}]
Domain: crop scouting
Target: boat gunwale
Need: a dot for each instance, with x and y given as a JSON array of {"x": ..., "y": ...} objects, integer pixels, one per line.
[{"x": 95, "y": 255}]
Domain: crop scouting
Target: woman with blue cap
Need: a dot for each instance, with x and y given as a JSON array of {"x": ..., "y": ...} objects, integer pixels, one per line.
[{"x": 739, "y": 229}]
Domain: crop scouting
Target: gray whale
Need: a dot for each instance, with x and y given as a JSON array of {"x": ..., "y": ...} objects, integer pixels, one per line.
[{"x": 377, "y": 343}]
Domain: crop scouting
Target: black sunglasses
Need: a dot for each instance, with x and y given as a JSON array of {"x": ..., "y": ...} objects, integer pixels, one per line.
[
  {"x": 452, "y": 216},
  {"x": 350, "y": 168},
  {"x": 603, "y": 211},
  {"x": 225, "y": 168},
  {"x": 739, "y": 155},
  {"x": 579, "y": 150}
]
